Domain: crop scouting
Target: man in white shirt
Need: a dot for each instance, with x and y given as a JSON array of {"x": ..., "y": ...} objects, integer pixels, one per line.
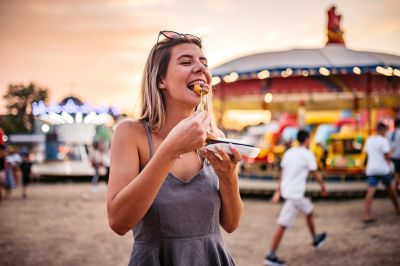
[
  {"x": 378, "y": 169},
  {"x": 394, "y": 140},
  {"x": 296, "y": 165}
]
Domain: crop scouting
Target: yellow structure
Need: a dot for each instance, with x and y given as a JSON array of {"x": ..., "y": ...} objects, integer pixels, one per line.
[
  {"x": 314, "y": 120},
  {"x": 345, "y": 152}
]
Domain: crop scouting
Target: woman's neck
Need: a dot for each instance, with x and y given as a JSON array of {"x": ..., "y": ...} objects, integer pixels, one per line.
[{"x": 173, "y": 116}]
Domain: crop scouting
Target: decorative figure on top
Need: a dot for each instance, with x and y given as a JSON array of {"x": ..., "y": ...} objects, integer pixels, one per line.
[{"x": 335, "y": 34}]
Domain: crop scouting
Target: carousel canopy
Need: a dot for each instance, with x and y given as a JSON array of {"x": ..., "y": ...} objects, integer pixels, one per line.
[
  {"x": 72, "y": 110},
  {"x": 334, "y": 58}
]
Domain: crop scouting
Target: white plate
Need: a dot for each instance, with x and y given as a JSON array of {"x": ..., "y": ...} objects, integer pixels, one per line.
[{"x": 249, "y": 151}]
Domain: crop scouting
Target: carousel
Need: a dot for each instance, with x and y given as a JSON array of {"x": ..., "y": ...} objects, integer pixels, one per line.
[
  {"x": 329, "y": 78},
  {"x": 70, "y": 129},
  {"x": 264, "y": 98}
]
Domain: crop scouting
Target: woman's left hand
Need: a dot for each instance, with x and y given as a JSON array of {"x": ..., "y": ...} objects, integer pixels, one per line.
[{"x": 224, "y": 164}]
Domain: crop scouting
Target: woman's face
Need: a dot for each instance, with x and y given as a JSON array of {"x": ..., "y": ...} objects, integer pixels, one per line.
[{"x": 187, "y": 66}]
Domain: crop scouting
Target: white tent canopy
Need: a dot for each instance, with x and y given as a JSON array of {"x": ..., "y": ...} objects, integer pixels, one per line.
[{"x": 333, "y": 57}]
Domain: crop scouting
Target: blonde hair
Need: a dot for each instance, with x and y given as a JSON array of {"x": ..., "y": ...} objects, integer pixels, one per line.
[{"x": 152, "y": 108}]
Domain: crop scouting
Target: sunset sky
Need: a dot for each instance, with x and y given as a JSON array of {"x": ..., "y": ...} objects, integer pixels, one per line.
[{"x": 96, "y": 49}]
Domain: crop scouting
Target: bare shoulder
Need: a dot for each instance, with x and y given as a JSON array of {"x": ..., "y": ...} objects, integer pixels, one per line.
[
  {"x": 128, "y": 130},
  {"x": 128, "y": 126}
]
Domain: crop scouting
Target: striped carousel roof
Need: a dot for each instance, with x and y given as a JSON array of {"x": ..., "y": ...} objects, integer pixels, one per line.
[{"x": 334, "y": 58}]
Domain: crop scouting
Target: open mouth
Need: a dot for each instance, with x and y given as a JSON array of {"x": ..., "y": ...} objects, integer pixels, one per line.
[{"x": 191, "y": 84}]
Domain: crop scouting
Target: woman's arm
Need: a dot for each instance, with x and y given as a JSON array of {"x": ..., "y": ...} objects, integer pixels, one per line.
[
  {"x": 232, "y": 205},
  {"x": 231, "y": 202},
  {"x": 130, "y": 193}
]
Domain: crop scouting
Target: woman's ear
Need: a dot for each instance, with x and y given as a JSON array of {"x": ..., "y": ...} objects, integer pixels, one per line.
[{"x": 161, "y": 83}]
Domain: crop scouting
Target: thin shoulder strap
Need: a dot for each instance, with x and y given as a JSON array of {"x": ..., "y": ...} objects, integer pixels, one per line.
[{"x": 149, "y": 138}]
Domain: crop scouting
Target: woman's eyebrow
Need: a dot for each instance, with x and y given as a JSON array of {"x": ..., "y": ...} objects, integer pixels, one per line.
[
  {"x": 202, "y": 58},
  {"x": 185, "y": 55}
]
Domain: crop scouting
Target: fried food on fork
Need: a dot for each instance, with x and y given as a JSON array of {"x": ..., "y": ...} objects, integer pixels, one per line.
[{"x": 200, "y": 91}]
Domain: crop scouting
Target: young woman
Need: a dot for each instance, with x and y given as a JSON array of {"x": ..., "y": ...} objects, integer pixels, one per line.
[{"x": 164, "y": 185}]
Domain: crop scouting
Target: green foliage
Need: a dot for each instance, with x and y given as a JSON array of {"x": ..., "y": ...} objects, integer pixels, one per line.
[
  {"x": 12, "y": 124},
  {"x": 19, "y": 98}
]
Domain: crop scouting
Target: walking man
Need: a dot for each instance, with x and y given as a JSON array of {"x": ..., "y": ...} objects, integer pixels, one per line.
[
  {"x": 377, "y": 148},
  {"x": 297, "y": 163}
]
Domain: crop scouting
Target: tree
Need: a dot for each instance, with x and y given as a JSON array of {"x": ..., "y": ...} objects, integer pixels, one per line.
[{"x": 19, "y": 98}]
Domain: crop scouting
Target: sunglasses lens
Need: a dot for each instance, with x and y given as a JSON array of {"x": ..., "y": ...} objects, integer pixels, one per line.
[
  {"x": 171, "y": 34},
  {"x": 175, "y": 35}
]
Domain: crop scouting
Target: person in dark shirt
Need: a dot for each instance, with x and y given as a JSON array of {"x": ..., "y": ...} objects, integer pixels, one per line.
[
  {"x": 2, "y": 169},
  {"x": 26, "y": 167}
]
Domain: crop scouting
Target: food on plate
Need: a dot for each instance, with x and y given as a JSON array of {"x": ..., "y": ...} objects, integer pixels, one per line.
[{"x": 243, "y": 148}]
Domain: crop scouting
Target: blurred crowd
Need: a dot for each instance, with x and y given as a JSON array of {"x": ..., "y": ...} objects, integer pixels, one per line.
[{"x": 15, "y": 171}]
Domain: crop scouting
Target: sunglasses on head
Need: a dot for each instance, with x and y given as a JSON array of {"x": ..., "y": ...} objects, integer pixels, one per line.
[{"x": 172, "y": 35}]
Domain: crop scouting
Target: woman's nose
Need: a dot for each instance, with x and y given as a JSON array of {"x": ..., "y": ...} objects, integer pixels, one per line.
[{"x": 199, "y": 68}]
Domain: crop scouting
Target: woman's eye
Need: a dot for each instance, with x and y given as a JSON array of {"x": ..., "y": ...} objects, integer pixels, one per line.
[{"x": 185, "y": 62}]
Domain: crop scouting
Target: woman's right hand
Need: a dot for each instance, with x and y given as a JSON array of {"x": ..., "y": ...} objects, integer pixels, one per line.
[{"x": 189, "y": 134}]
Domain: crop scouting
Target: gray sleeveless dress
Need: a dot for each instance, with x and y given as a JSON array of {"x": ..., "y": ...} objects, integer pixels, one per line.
[{"x": 181, "y": 228}]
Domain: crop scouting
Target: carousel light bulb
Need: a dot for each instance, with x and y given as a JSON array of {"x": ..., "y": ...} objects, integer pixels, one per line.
[
  {"x": 324, "y": 71},
  {"x": 78, "y": 117},
  {"x": 57, "y": 118},
  {"x": 357, "y": 70},
  {"x": 232, "y": 77},
  {"x": 215, "y": 80},
  {"x": 268, "y": 97},
  {"x": 384, "y": 71},
  {"x": 45, "y": 128},
  {"x": 67, "y": 117},
  {"x": 263, "y": 74},
  {"x": 90, "y": 117}
]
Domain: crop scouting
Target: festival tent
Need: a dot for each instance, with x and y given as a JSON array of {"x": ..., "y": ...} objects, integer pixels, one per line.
[
  {"x": 332, "y": 59},
  {"x": 330, "y": 77},
  {"x": 333, "y": 68}
]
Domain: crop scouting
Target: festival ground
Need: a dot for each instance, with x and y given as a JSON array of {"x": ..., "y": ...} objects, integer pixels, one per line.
[{"x": 66, "y": 224}]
